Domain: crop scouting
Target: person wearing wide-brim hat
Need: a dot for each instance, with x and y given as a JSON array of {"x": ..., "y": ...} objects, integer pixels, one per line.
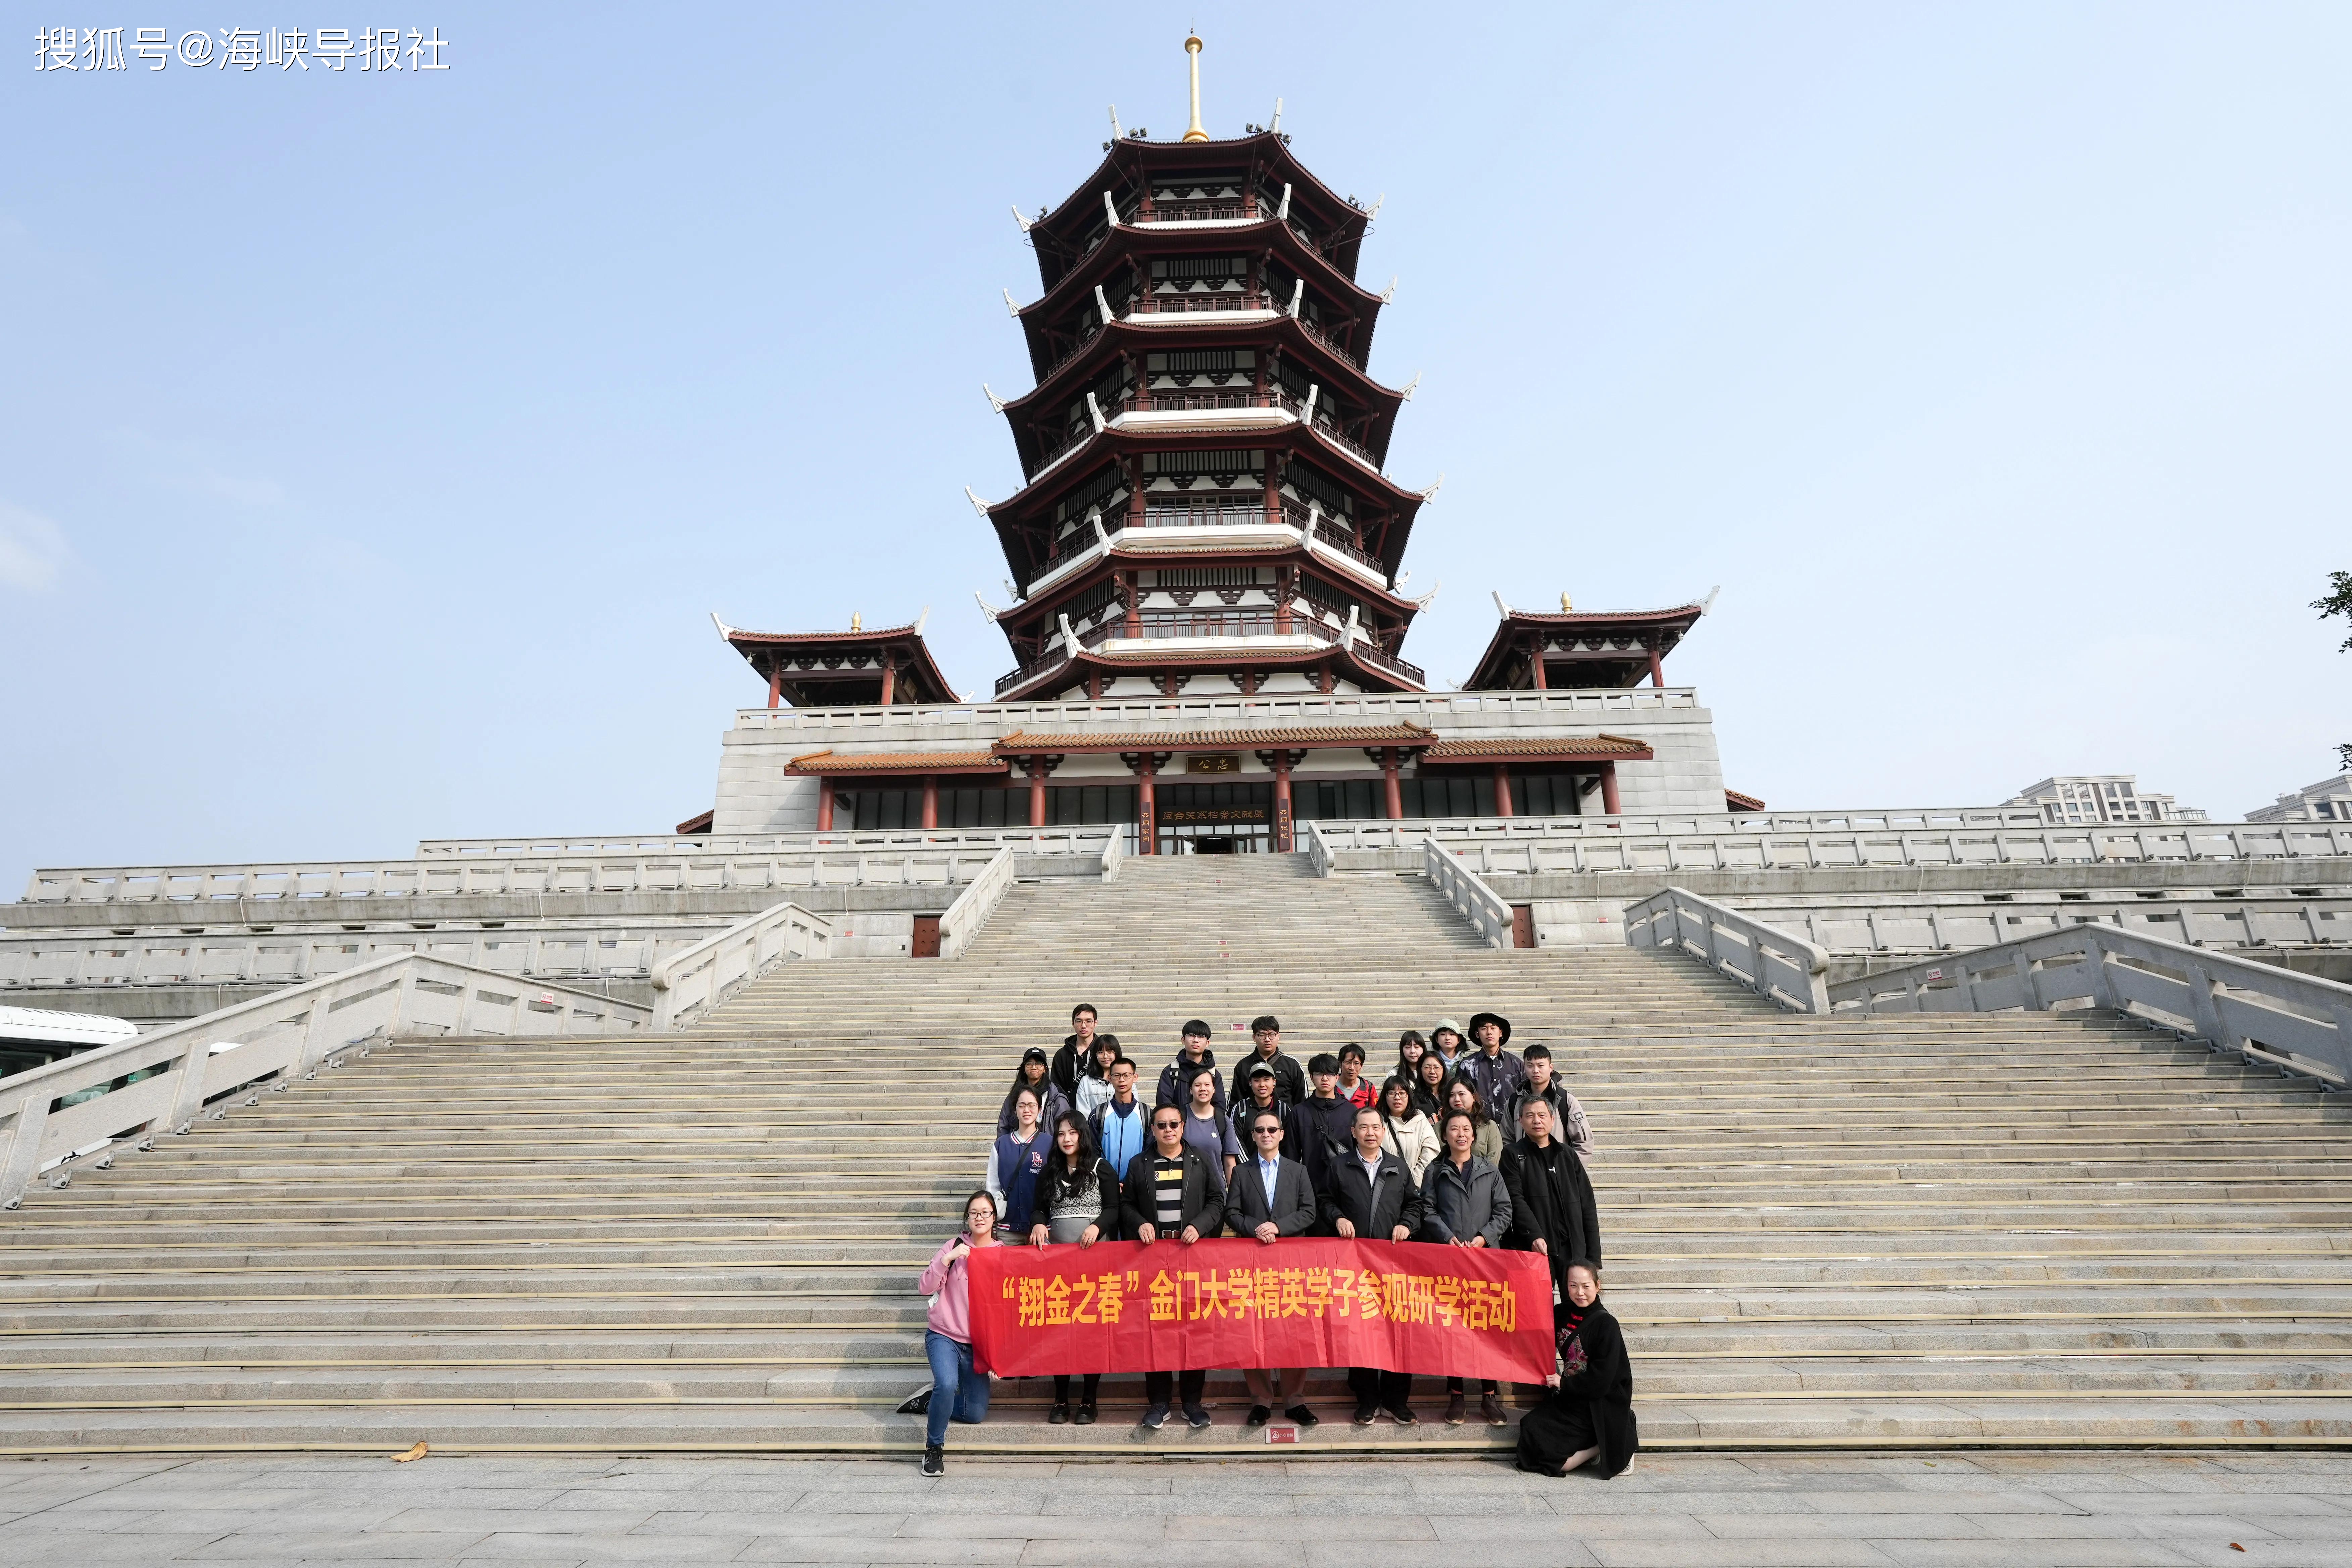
[
  {"x": 1446, "y": 1040},
  {"x": 1496, "y": 1074}
]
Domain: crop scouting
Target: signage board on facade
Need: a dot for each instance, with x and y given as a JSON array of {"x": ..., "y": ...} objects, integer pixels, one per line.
[{"x": 1214, "y": 762}]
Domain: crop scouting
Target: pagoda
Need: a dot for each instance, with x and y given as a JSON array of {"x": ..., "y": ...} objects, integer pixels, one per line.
[{"x": 1203, "y": 497}]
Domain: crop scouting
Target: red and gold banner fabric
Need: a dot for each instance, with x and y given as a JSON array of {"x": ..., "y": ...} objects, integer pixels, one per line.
[{"x": 1121, "y": 1306}]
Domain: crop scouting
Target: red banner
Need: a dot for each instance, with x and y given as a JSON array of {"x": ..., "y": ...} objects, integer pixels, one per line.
[{"x": 1121, "y": 1306}]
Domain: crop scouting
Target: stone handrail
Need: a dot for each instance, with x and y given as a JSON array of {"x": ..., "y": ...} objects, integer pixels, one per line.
[
  {"x": 1114, "y": 855},
  {"x": 687, "y": 870},
  {"x": 79, "y": 1105},
  {"x": 1768, "y": 960},
  {"x": 2234, "y": 1004},
  {"x": 1536, "y": 846},
  {"x": 1472, "y": 899},
  {"x": 689, "y": 984},
  {"x": 972, "y": 907},
  {"x": 1318, "y": 848},
  {"x": 284, "y": 958},
  {"x": 1901, "y": 923},
  {"x": 632, "y": 846}
]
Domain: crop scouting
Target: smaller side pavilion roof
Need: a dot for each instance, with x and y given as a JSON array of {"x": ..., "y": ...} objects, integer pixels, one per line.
[
  {"x": 1539, "y": 749},
  {"x": 831, "y": 763},
  {"x": 836, "y": 669},
  {"x": 1602, "y": 648},
  {"x": 1735, "y": 801}
]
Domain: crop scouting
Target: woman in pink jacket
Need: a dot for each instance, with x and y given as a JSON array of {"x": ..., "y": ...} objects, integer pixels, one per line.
[{"x": 957, "y": 1390}]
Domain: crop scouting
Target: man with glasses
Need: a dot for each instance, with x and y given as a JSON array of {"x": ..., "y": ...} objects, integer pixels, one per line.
[
  {"x": 1269, "y": 1198},
  {"x": 1173, "y": 1193}
]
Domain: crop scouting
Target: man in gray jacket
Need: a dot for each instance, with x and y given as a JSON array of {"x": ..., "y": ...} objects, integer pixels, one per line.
[
  {"x": 1568, "y": 1121},
  {"x": 1464, "y": 1202},
  {"x": 1269, "y": 1197}
]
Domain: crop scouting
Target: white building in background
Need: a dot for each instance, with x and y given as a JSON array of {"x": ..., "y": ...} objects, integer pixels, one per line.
[
  {"x": 2329, "y": 800},
  {"x": 2101, "y": 798}
]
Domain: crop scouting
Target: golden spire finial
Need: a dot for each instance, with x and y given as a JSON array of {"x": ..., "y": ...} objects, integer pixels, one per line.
[
  {"x": 1193, "y": 132},
  {"x": 853, "y": 624},
  {"x": 1565, "y": 607}
]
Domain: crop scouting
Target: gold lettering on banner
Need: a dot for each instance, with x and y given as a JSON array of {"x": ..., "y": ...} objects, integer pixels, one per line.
[
  {"x": 1163, "y": 1298},
  {"x": 1241, "y": 1288},
  {"x": 1032, "y": 1307},
  {"x": 1057, "y": 1302},
  {"x": 1083, "y": 1312},
  {"x": 1109, "y": 1297}
]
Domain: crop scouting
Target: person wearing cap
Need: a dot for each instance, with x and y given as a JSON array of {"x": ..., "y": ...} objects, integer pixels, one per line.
[
  {"x": 1447, "y": 1041},
  {"x": 1266, "y": 1033},
  {"x": 1034, "y": 1075},
  {"x": 1192, "y": 1056},
  {"x": 1496, "y": 1074},
  {"x": 1264, "y": 1093}
]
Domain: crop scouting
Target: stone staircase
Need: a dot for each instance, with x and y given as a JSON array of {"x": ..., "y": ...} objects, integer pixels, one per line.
[{"x": 1924, "y": 1231}]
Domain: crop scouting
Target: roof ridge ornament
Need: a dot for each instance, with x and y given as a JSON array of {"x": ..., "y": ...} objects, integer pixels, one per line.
[
  {"x": 1276, "y": 126},
  {"x": 978, "y": 505},
  {"x": 1501, "y": 608},
  {"x": 922, "y": 619},
  {"x": 724, "y": 629},
  {"x": 1389, "y": 298},
  {"x": 1406, "y": 395},
  {"x": 1193, "y": 132},
  {"x": 1011, "y": 308},
  {"x": 1711, "y": 592},
  {"x": 1423, "y": 602},
  {"x": 1430, "y": 493},
  {"x": 1021, "y": 218},
  {"x": 1116, "y": 132},
  {"x": 987, "y": 609},
  {"x": 994, "y": 402}
]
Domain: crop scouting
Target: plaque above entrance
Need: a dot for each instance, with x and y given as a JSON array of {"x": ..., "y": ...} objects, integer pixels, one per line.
[{"x": 1214, "y": 762}]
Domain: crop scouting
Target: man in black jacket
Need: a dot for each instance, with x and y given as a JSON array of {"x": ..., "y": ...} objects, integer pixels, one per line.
[
  {"x": 1370, "y": 1198},
  {"x": 1552, "y": 1211},
  {"x": 1195, "y": 1056},
  {"x": 1322, "y": 1125},
  {"x": 1070, "y": 1062},
  {"x": 1173, "y": 1193},
  {"x": 1270, "y": 1197},
  {"x": 1289, "y": 1087}
]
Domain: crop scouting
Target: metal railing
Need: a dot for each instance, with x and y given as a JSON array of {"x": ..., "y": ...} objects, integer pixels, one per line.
[
  {"x": 689, "y": 984},
  {"x": 1472, "y": 899},
  {"x": 2258, "y": 1012},
  {"x": 1203, "y": 301},
  {"x": 972, "y": 907},
  {"x": 1768, "y": 960},
  {"x": 161, "y": 1082}
]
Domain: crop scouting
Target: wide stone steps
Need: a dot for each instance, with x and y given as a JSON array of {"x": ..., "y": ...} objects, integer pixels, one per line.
[{"x": 2025, "y": 1229}]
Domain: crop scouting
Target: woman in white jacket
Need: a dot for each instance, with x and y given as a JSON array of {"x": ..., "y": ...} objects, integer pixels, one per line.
[{"x": 1404, "y": 1131}]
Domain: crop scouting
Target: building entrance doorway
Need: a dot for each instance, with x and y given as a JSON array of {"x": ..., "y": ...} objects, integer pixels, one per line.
[{"x": 1233, "y": 819}]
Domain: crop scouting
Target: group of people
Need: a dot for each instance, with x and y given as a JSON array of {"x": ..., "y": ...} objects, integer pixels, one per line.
[{"x": 1464, "y": 1142}]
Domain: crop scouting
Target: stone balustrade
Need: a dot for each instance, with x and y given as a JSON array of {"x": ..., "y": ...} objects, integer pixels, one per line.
[{"x": 253, "y": 958}]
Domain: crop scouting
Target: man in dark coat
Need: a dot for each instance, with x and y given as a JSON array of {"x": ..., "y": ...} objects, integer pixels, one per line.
[
  {"x": 1322, "y": 1125},
  {"x": 1552, "y": 1210},
  {"x": 1269, "y": 1197},
  {"x": 1193, "y": 1056},
  {"x": 1173, "y": 1193},
  {"x": 1289, "y": 1084},
  {"x": 1370, "y": 1197},
  {"x": 1070, "y": 1062}
]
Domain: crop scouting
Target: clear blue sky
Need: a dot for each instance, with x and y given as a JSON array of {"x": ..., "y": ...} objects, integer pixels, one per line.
[{"x": 376, "y": 445}]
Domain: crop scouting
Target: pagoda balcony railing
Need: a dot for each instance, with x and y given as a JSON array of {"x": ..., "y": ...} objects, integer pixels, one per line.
[
  {"x": 1209, "y": 625},
  {"x": 1187, "y": 402},
  {"x": 1048, "y": 455},
  {"x": 1329, "y": 428},
  {"x": 1327, "y": 535},
  {"x": 1199, "y": 211},
  {"x": 1211, "y": 514},
  {"x": 1206, "y": 514},
  {"x": 1211, "y": 300}
]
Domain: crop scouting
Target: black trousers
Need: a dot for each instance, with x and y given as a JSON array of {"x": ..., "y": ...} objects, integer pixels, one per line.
[
  {"x": 1062, "y": 1386},
  {"x": 1371, "y": 1385},
  {"x": 1453, "y": 1385},
  {"x": 1157, "y": 1386}
]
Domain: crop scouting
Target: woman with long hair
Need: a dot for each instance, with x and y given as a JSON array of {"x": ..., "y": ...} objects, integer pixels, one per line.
[
  {"x": 1429, "y": 1085},
  {"x": 1411, "y": 1048},
  {"x": 1405, "y": 1132},
  {"x": 1487, "y": 1142},
  {"x": 1587, "y": 1420},
  {"x": 1077, "y": 1201},
  {"x": 1094, "y": 1078},
  {"x": 957, "y": 1392}
]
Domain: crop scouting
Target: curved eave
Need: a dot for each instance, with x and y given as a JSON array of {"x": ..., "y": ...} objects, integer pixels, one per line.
[
  {"x": 1029, "y": 612},
  {"x": 1068, "y": 378},
  {"x": 1072, "y": 215},
  {"x": 1493, "y": 665},
  {"x": 1170, "y": 239},
  {"x": 924, "y": 670},
  {"x": 1370, "y": 675},
  {"x": 1162, "y": 438}
]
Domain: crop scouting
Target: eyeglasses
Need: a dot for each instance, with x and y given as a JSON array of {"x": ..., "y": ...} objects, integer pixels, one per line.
[
  {"x": 1166, "y": 1126},
  {"x": 1265, "y": 1131}
]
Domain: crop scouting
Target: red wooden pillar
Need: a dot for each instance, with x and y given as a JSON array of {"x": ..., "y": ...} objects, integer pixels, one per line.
[
  {"x": 1036, "y": 793},
  {"x": 1282, "y": 825},
  {"x": 775, "y": 685},
  {"x": 1535, "y": 664},
  {"x": 1657, "y": 670},
  {"x": 1147, "y": 815},
  {"x": 1502, "y": 790},
  {"x": 889, "y": 681},
  {"x": 1608, "y": 788},
  {"x": 1134, "y": 604},
  {"x": 824, "y": 805},
  {"x": 1284, "y": 579},
  {"x": 1389, "y": 777},
  {"x": 930, "y": 800}
]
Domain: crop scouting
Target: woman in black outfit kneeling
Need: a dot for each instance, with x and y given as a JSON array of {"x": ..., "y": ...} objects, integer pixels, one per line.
[
  {"x": 1078, "y": 1200},
  {"x": 1588, "y": 1417}
]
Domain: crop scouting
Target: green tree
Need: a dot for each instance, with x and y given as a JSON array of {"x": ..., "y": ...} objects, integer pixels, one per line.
[{"x": 2338, "y": 602}]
